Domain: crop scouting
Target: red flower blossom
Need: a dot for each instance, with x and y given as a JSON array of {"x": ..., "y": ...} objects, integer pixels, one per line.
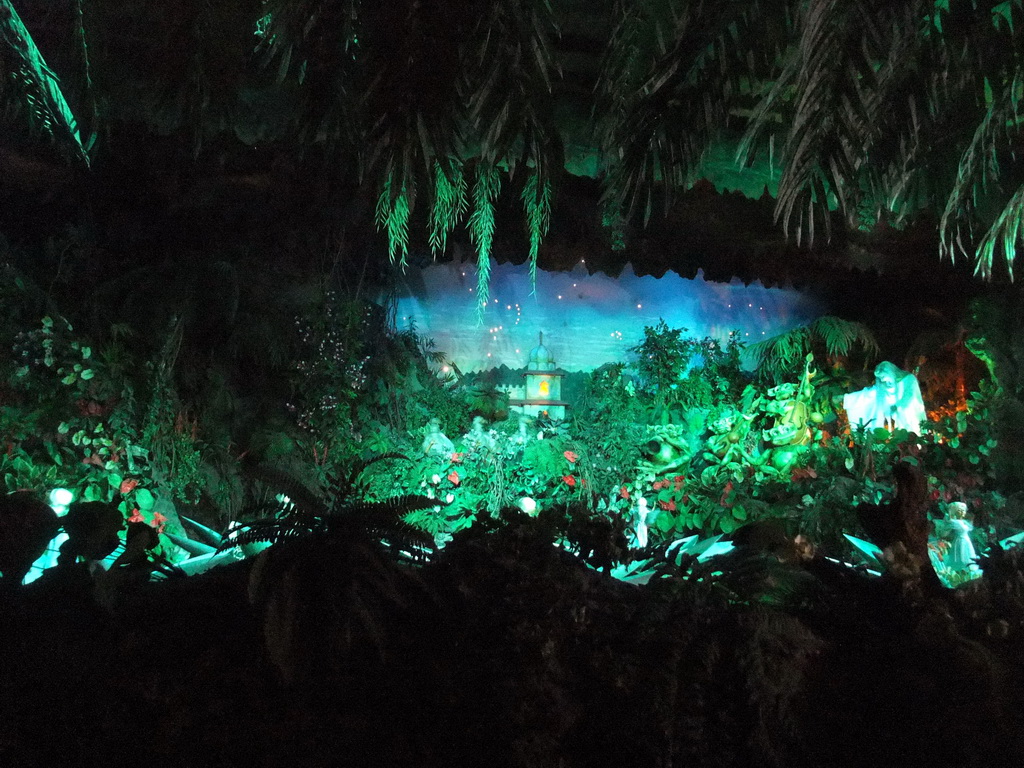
[
  {"x": 724, "y": 501},
  {"x": 660, "y": 484},
  {"x": 571, "y": 457},
  {"x": 159, "y": 522},
  {"x": 457, "y": 458},
  {"x": 669, "y": 505},
  {"x": 569, "y": 480},
  {"x": 127, "y": 486},
  {"x": 454, "y": 478},
  {"x": 623, "y": 493},
  {"x": 136, "y": 516},
  {"x": 679, "y": 480}
]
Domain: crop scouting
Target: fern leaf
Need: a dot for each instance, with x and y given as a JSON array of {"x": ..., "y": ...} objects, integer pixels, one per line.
[
  {"x": 537, "y": 202},
  {"x": 481, "y": 229},
  {"x": 392, "y": 216},
  {"x": 449, "y": 204}
]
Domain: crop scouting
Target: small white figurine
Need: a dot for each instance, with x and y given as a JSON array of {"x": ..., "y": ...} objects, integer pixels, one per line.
[
  {"x": 961, "y": 555},
  {"x": 894, "y": 401},
  {"x": 640, "y": 522}
]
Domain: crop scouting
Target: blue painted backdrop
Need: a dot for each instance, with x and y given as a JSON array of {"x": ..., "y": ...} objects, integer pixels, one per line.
[{"x": 587, "y": 320}]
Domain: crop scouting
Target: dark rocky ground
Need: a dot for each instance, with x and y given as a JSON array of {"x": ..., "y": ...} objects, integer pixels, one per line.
[{"x": 506, "y": 651}]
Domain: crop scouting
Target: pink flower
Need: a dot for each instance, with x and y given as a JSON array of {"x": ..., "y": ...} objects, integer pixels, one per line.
[
  {"x": 624, "y": 493},
  {"x": 454, "y": 478},
  {"x": 136, "y": 516},
  {"x": 569, "y": 480},
  {"x": 670, "y": 505},
  {"x": 571, "y": 457},
  {"x": 127, "y": 486},
  {"x": 457, "y": 458},
  {"x": 159, "y": 522}
]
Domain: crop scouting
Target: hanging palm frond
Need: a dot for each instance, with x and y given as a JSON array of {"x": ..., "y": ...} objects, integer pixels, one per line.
[
  {"x": 28, "y": 87},
  {"x": 674, "y": 78},
  {"x": 449, "y": 203},
  {"x": 481, "y": 228},
  {"x": 1003, "y": 235},
  {"x": 393, "y": 208},
  {"x": 537, "y": 203}
]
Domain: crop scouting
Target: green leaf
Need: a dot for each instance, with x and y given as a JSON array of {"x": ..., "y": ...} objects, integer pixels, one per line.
[
  {"x": 739, "y": 512},
  {"x": 144, "y": 499},
  {"x": 87, "y": 374}
]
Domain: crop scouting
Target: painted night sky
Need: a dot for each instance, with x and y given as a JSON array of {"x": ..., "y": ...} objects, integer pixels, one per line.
[{"x": 587, "y": 320}]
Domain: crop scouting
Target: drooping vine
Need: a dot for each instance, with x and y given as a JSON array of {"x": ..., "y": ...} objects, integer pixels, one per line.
[
  {"x": 537, "y": 203},
  {"x": 481, "y": 228},
  {"x": 393, "y": 217},
  {"x": 449, "y": 204}
]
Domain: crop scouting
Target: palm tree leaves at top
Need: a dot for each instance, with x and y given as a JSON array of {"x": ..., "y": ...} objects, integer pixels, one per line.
[
  {"x": 675, "y": 76},
  {"x": 867, "y": 106},
  {"x": 876, "y": 108},
  {"x": 439, "y": 83}
]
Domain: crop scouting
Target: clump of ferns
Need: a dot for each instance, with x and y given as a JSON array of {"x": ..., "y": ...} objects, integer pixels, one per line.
[
  {"x": 340, "y": 510},
  {"x": 336, "y": 576}
]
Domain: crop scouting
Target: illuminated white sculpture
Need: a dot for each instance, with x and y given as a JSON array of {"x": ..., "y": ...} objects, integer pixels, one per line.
[{"x": 893, "y": 402}]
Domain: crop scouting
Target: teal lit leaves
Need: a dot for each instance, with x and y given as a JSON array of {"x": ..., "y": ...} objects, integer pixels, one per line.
[
  {"x": 481, "y": 227},
  {"x": 449, "y": 206},
  {"x": 393, "y": 218},
  {"x": 28, "y": 86},
  {"x": 1004, "y": 232},
  {"x": 537, "y": 204}
]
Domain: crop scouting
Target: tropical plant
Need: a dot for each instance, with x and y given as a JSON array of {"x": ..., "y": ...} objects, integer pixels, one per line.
[
  {"x": 31, "y": 90},
  {"x": 828, "y": 338},
  {"x": 297, "y": 512}
]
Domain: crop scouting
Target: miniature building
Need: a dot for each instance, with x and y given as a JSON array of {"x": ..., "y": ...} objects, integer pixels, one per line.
[{"x": 543, "y": 386}]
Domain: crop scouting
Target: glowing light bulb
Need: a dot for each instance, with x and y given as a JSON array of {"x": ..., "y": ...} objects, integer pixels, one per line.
[{"x": 61, "y": 497}]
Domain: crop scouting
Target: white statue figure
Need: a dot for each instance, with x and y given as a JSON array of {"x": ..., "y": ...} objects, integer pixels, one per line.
[
  {"x": 894, "y": 401},
  {"x": 640, "y": 521},
  {"x": 961, "y": 555},
  {"x": 435, "y": 442}
]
